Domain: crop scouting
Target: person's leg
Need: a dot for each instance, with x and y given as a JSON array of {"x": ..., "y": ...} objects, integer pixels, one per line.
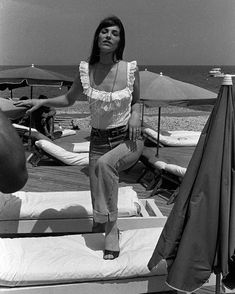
[
  {"x": 50, "y": 126},
  {"x": 98, "y": 147},
  {"x": 104, "y": 183}
]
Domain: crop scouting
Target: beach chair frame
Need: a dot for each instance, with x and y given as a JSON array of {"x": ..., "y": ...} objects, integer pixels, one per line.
[
  {"x": 150, "y": 216},
  {"x": 148, "y": 284}
]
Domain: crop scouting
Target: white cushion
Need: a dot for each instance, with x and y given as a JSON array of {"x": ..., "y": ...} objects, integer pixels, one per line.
[
  {"x": 20, "y": 127},
  {"x": 68, "y": 132},
  {"x": 176, "y": 169},
  {"x": 61, "y": 204},
  {"x": 159, "y": 164},
  {"x": 74, "y": 258},
  {"x": 81, "y": 147},
  {"x": 67, "y": 157},
  {"x": 174, "y": 138}
]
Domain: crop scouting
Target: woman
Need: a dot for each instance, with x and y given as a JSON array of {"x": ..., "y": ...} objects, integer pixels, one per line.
[{"x": 112, "y": 87}]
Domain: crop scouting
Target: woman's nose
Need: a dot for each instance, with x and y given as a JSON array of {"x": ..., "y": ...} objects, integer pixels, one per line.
[{"x": 108, "y": 36}]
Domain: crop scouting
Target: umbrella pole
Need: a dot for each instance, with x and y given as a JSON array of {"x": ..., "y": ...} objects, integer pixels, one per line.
[
  {"x": 30, "y": 122},
  {"x": 142, "y": 118},
  {"x": 217, "y": 284},
  {"x": 158, "y": 129}
]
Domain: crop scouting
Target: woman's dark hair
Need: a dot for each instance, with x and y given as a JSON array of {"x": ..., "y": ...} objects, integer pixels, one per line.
[{"x": 108, "y": 22}]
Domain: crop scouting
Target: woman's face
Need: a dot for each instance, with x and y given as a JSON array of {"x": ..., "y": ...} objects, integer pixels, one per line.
[{"x": 109, "y": 38}]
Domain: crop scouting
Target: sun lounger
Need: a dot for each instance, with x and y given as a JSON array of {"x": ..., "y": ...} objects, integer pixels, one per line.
[
  {"x": 168, "y": 169},
  {"x": 74, "y": 264},
  {"x": 57, "y": 153},
  {"x": 55, "y": 264},
  {"x": 70, "y": 212},
  {"x": 24, "y": 131},
  {"x": 61, "y": 151}
]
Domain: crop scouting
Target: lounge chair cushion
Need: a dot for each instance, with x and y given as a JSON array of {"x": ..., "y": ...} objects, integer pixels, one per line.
[
  {"x": 64, "y": 133},
  {"x": 171, "y": 168},
  {"x": 65, "y": 204},
  {"x": 74, "y": 258},
  {"x": 173, "y": 138},
  {"x": 67, "y": 157},
  {"x": 81, "y": 147}
]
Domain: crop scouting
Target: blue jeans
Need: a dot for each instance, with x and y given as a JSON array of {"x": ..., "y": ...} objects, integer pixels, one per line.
[{"x": 110, "y": 153}]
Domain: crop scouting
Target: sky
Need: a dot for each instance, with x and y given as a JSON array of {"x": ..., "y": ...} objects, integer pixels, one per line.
[{"x": 158, "y": 32}]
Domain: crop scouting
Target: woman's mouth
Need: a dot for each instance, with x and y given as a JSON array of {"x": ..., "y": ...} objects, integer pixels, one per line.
[{"x": 106, "y": 42}]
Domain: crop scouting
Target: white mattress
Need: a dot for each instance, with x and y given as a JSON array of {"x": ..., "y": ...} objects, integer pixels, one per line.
[
  {"x": 73, "y": 258},
  {"x": 67, "y": 157},
  {"x": 174, "y": 138},
  {"x": 65, "y": 132},
  {"x": 66, "y": 204},
  {"x": 171, "y": 168}
]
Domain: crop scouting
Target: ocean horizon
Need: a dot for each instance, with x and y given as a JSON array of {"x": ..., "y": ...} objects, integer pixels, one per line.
[{"x": 193, "y": 74}]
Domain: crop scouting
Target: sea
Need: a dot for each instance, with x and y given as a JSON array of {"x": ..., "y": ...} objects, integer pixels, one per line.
[{"x": 194, "y": 74}]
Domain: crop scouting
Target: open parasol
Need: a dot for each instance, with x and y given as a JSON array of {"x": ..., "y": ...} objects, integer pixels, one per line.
[
  {"x": 160, "y": 90},
  {"x": 29, "y": 76}
]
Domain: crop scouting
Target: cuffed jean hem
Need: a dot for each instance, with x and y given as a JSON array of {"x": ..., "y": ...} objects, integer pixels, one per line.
[{"x": 104, "y": 218}]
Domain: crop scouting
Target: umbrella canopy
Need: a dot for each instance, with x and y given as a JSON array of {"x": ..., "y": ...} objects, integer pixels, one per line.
[
  {"x": 159, "y": 90},
  {"x": 199, "y": 236},
  {"x": 163, "y": 90},
  {"x": 31, "y": 76}
]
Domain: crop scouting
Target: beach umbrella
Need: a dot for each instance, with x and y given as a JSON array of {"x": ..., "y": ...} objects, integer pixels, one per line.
[
  {"x": 199, "y": 235},
  {"x": 164, "y": 91},
  {"x": 31, "y": 76},
  {"x": 146, "y": 78}
]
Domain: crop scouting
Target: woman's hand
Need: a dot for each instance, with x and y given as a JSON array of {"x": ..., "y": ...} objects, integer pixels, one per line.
[
  {"x": 32, "y": 104},
  {"x": 134, "y": 127}
]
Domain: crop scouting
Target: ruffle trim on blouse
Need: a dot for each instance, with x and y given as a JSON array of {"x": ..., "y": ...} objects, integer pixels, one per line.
[
  {"x": 84, "y": 76},
  {"x": 131, "y": 74},
  {"x": 103, "y": 95}
]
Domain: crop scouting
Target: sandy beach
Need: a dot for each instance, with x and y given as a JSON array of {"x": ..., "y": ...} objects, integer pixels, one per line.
[{"x": 172, "y": 118}]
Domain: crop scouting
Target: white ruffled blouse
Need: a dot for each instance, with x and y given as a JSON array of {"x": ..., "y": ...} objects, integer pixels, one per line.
[{"x": 108, "y": 109}]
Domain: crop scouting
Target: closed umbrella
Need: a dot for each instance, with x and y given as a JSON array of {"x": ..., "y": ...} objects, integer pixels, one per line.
[
  {"x": 199, "y": 235},
  {"x": 162, "y": 90}
]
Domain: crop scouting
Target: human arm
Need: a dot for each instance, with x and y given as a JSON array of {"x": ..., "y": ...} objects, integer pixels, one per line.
[
  {"x": 73, "y": 94},
  {"x": 135, "y": 118},
  {"x": 13, "y": 172}
]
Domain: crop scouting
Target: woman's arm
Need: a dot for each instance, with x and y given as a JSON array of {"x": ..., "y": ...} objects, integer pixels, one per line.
[
  {"x": 65, "y": 100},
  {"x": 135, "y": 119}
]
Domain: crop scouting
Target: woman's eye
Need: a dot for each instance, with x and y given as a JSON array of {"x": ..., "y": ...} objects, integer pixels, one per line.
[
  {"x": 104, "y": 31},
  {"x": 116, "y": 34}
]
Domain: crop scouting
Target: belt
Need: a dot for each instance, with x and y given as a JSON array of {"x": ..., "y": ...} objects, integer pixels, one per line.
[{"x": 109, "y": 132}]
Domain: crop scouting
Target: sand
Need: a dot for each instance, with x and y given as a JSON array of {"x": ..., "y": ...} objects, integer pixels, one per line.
[{"x": 172, "y": 118}]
